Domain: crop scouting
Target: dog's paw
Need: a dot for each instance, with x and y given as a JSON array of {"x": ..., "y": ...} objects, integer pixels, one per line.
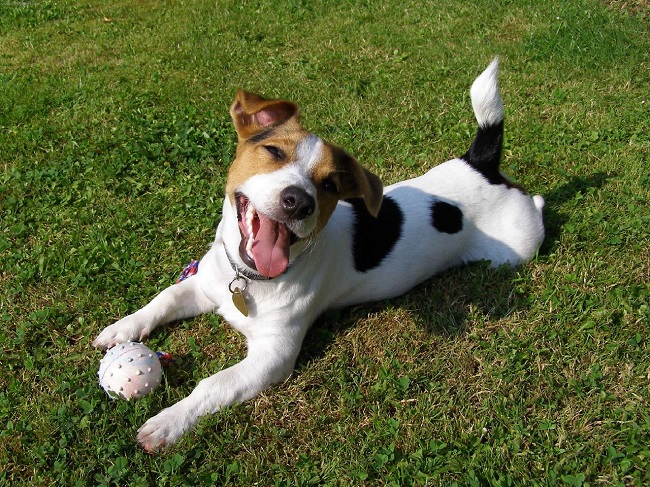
[
  {"x": 162, "y": 430},
  {"x": 132, "y": 328}
]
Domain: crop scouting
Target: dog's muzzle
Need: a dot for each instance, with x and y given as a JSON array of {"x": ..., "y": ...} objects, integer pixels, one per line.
[{"x": 266, "y": 242}]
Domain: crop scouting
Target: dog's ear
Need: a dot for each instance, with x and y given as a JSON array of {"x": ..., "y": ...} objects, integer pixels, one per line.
[
  {"x": 358, "y": 182},
  {"x": 252, "y": 114},
  {"x": 372, "y": 191}
]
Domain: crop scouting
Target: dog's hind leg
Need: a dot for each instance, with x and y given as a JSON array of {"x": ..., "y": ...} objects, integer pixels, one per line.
[{"x": 182, "y": 300}]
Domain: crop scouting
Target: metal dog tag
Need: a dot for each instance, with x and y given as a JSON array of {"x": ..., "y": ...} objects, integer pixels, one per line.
[{"x": 239, "y": 301}]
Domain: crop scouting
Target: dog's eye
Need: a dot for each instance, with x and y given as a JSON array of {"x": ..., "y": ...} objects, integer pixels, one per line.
[
  {"x": 329, "y": 185},
  {"x": 276, "y": 152}
]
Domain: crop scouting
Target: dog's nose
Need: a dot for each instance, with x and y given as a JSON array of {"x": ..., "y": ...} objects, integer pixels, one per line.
[{"x": 296, "y": 203}]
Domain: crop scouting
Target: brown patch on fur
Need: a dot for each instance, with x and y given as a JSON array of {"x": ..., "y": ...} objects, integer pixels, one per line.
[
  {"x": 327, "y": 200},
  {"x": 263, "y": 124},
  {"x": 358, "y": 182},
  {"x": 351, "y": 180},
  {"x": 251, "y": 113},
  {"x": 254, "y": 158}
]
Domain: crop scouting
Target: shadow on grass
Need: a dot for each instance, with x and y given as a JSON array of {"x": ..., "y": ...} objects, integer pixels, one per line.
[
  {"x": 439, "y": 306},
  {"x": 554, "y": 218}
]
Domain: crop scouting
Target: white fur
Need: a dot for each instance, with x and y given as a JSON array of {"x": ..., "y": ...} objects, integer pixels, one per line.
[
  {"x": 501, "y": 224},
  {"x": 486, "y": 99}
]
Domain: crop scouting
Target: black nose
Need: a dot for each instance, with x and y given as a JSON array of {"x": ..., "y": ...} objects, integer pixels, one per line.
[{"x": 296, "y": 203}]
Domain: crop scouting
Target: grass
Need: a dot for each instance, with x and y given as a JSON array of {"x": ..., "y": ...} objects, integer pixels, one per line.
[{"x": 114, "y": 145}]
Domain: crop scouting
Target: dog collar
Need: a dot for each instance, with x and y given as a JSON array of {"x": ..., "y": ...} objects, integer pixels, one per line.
[
  {"x": 241, "y": 272},
  {"x": 242, "y": 276}
]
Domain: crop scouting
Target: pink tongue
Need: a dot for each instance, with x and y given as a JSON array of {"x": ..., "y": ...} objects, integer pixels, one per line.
[{"x": 271, "y": 247}]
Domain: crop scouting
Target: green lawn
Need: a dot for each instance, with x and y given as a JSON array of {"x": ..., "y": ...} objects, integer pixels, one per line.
[{"x": 115, "y": 140}]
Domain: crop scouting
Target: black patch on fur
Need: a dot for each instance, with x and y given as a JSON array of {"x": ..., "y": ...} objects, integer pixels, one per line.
[
  {"x": 374, "y": 238},
  {"x": 446, "y": 218},
  {"x": 484, "y": 155}
]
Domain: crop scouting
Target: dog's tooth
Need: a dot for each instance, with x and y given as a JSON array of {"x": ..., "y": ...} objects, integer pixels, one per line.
[
  {"x": 250, "y": 215},
  {"x": 249, "y": 246}
]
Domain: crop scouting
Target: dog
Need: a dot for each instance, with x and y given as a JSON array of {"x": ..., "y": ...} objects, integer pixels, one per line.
[{"x": 306, "y": 228}]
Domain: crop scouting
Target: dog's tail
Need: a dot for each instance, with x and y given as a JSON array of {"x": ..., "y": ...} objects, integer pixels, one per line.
[{"x": 485, "y": 152}]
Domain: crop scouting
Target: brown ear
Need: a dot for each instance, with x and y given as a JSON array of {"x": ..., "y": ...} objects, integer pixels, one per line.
[
  {"x": 251, "y": 113},
  {"x": 372, "y": 191},
  {"x": 358, "y": 182}
]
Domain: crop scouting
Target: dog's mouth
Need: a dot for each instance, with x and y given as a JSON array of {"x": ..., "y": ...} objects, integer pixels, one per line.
[{"x": 265, "y": 242}]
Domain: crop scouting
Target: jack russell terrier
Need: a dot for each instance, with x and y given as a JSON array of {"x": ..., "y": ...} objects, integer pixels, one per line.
[{"x": 306, "y": 228}]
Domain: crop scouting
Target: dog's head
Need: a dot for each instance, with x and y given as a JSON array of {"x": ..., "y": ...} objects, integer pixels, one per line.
[{"x": 286, "y": 182}]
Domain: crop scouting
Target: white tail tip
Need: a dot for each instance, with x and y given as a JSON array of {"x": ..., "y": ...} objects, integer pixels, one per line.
[{"x": 486, "y": 99}]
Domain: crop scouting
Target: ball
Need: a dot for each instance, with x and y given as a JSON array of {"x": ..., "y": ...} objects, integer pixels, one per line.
[{"x": 129, "y": 370}]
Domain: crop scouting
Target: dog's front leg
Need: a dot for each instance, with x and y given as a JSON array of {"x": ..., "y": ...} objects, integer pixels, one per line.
[
  {"x": 270, "y": 360},
  {"x": 179, "y": 301}
]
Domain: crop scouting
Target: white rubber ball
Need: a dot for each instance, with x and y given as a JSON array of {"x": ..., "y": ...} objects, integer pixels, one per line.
[{"x": 129, "y": 370}]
